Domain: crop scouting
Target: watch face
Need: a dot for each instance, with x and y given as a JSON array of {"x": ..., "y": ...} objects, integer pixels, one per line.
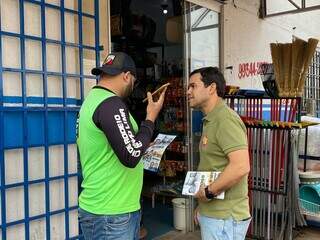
[{"x": 209, "y": 195}]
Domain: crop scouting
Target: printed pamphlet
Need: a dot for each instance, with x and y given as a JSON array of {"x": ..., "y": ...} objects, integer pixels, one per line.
[
  {"x": 194, "y": 179},
  {"x": 152, "y": 157}
]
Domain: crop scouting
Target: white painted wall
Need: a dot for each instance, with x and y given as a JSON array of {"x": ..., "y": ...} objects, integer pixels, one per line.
[{"x": 247, "y": 38}]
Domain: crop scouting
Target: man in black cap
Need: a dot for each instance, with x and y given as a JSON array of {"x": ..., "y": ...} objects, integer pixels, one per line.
[{"x": 110, "y": 146}]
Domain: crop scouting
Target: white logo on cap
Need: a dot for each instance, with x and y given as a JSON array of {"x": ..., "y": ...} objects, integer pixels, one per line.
[{"x": 109, "y": 60}]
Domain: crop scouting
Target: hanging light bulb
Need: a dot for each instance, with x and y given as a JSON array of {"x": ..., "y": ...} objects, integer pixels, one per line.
[{"x": 164, "y": 8}]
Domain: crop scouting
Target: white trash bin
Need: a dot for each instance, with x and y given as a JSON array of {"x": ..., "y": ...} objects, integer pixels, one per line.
[{"x": 180, "y": 206}]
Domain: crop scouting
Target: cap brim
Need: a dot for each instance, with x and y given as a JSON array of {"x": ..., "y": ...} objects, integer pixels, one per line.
[
  {"x": 96, "y": 71},
  {"x": 108, "y": 70}
]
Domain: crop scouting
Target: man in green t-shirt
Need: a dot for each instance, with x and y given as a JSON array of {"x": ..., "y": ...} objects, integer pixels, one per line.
[
  {"x": 223, "y": 147},
  {"x": 110, "y": 148}
]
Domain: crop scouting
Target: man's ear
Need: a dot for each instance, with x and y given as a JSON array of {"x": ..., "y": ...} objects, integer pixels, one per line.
[
  {"x": 126, "y": 76},
  {"x": 213, "y": 88}
]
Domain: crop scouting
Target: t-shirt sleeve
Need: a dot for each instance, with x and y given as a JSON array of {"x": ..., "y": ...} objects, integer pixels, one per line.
[
  {"x": 112, "y": 117},
  {"x": 231, "y": 134}
]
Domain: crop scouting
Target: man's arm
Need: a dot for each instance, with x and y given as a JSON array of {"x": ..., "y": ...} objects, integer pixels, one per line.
[
  {"x": 231, "y": 137},
  {"x": 238, "y": 167},
  {"x": 112, "y": 117}
]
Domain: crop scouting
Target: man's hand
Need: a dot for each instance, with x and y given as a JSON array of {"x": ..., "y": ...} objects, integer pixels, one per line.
[
  {"x": 201, "y": 195},
  {"x": 154, "y": 108}
]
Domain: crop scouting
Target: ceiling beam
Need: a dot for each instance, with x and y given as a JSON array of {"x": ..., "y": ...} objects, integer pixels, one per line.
[{"x": 294, "y": 4}]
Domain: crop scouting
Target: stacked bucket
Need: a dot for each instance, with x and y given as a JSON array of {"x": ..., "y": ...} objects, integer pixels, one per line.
[{"x": 310, "y": 196}]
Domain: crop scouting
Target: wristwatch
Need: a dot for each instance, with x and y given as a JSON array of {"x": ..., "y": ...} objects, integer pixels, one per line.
[{"x": 209, "y": 194}]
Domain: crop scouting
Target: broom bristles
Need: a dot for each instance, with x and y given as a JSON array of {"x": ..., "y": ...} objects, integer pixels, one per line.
[
  {"x": 297, "y": 65},
  {"x": 275, "y": 54},
  {"x": 294, "y": 56},
  {"x": 310, "y": 50},
  {"x": 286, "y": 63},
  {"x": 291, "y": 64}
]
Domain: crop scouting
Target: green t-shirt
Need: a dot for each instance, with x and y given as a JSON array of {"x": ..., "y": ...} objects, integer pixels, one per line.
[
  {"x": 223, "y": 132},
  {"x": 108, "y": 186}
]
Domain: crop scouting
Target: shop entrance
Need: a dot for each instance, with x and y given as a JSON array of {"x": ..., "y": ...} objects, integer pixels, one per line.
[
  {"x": 167, "y": 40},
  {"x": 201, "y": 49}
]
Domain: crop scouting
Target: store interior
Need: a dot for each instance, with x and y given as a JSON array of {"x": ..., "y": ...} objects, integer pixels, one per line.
[{"x": 151, "y": 33}]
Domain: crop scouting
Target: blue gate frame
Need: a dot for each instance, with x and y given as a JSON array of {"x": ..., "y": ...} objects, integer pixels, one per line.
[{"x": 26, "y": 126}]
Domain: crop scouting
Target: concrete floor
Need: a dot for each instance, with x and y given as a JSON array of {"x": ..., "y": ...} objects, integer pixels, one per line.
[
  {"x": 308, "y": 234},
  {"x": 304, "y": 234},
  {"x": 177, "y": 235}
]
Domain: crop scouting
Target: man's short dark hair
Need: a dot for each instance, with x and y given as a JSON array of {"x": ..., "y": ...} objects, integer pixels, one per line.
[{"x": 211, "y": 75}]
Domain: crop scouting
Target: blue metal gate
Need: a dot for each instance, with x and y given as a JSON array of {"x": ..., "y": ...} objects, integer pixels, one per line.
[{"x": 38, "y": 122}]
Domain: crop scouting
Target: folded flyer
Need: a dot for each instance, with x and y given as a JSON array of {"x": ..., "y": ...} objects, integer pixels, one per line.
[
  {"x": 152, "y": 157},
  {"x": 194, "y": 179}
]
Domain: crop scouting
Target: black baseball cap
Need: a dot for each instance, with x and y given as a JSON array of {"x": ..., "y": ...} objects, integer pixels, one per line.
[{"x": 116, "y": 63}]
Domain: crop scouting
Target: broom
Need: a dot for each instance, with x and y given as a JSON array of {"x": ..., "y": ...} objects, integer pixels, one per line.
[
  {"x": 286, "y": 63},
  {"x": 276, "y": 57},
  {"x": 294, "y": 57},
  {"x": 298, "y": 50},
  {"x": 310, "y": 50}
]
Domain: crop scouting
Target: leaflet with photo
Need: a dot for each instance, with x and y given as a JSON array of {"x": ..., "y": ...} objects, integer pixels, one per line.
[
  {"x": 152, "y": 157},
  {"x": 194, "y": 179}
]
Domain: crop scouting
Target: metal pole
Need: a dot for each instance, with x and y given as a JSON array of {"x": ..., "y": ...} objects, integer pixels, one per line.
[
  {"x": 254, "y": 179},
  {"x": 265, "y": 176},
  {"x": 305, "y": 150}
]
